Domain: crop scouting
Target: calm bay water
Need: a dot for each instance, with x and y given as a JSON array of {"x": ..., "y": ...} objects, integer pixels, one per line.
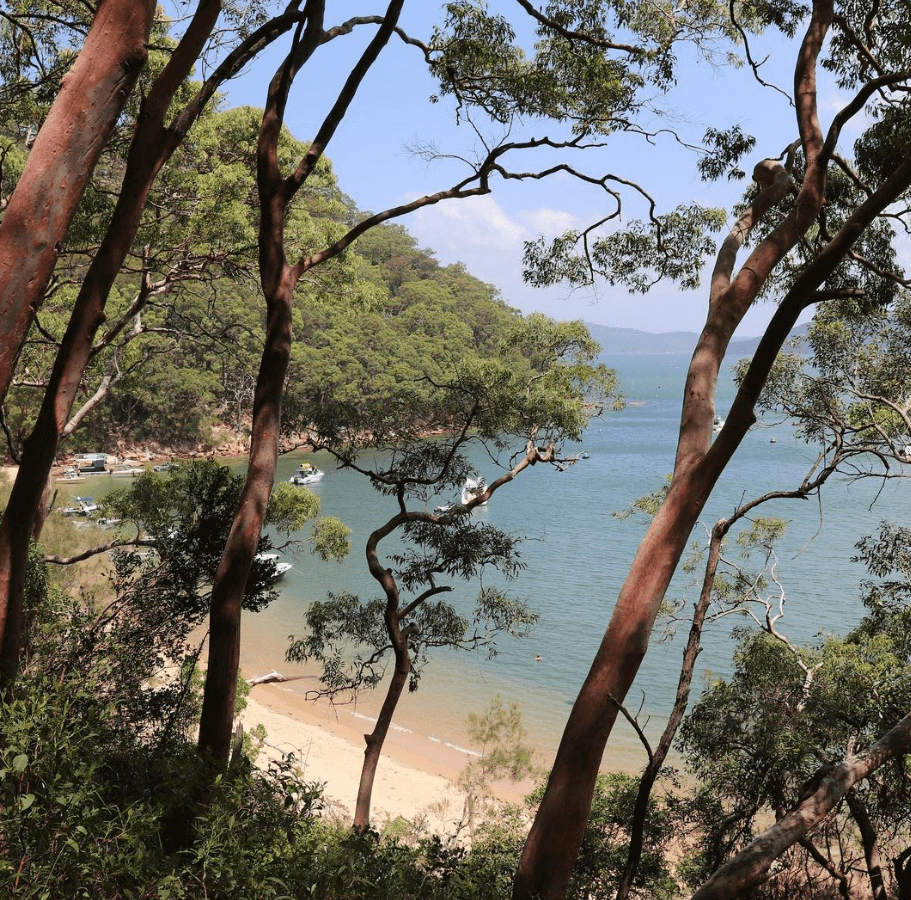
[{"x": 577, "y": 555}]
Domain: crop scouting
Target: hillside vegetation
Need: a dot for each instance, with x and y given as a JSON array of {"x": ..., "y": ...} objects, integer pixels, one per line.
[{"x": 180, "y": 373}]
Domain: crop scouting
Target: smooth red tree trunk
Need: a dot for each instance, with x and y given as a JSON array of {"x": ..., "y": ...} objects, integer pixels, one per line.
[
  {"x": 150, "y": 148},
  {"x": 61, "y": 161},
  {"x": 278, "y": 279},
  {"x": 553, "y": 842}
]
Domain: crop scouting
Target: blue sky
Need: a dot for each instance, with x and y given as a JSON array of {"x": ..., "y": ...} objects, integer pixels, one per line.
[{"x": 375, "y": 164}]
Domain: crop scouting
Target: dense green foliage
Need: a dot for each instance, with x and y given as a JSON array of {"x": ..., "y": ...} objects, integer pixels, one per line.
[
  {"x": 761, "y": 740},
  {"x": 538, "y": 390},
  {"x": 415, "y": 323},
  {"x": 82, "y": 816},
  {"x": 179, "y": 355},
  {"x": 96, "y": 763}
]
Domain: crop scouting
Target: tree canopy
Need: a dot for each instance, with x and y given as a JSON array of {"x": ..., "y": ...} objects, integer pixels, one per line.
[{"x": 131, "y": 230}]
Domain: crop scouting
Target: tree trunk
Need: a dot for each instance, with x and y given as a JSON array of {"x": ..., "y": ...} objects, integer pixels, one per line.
[
  {"x": 750, "y": 866},
  {"x": 278, "y": 280},
  {"x": 60, "y": 163},
  {"x": 217, "y": 718},
  {"x": 556, "y": 835},
  {"x": 377, "y": 737},
  {"x": 871, "y": 846},
  {"x": 657, "y": 759},
  {"x": 150, "y": 148}
]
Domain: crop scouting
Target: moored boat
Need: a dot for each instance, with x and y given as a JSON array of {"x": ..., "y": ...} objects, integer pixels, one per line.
[
  {"x": 307, "y": 474},
  {"x": 280, "y": 567},
  {"x": 472, "y": 489},
  {"x": 70, "y": 476},
  {"x": 82, "y": 506},
  {"x": 126, "y": 470}
]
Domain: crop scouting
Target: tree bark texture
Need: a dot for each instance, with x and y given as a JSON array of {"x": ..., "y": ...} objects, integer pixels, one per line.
[
  {"x": 556, "y": 835},
  {"x": 217, "y": 718},
  {"x": 658, "y": 757},
  {"x": 871, "y": 846},
  {"x": 61, "y": 161},
  {"x": 151, "y": 146},
  {"x": 392, "y": 616}
]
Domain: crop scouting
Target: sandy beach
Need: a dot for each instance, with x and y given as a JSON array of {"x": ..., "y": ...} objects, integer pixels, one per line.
[{"x": 416, "y": 775}]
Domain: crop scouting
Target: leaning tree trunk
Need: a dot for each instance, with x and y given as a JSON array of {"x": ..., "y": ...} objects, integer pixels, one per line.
[
  {"x": 750, "y": 866},
  {"x": 391, "y": 618},
  {"x": 657, "y": 758},
  {"x": 377, "y": 738},
  {"x": 554, "y": 840},
  {"x": 279, "y": 279},
  {"x": 34, "y": 226},
  {"x": 61, "y": 161},
  {"x": 150, "y": 148},
  {"x": 553, "y": 843}
]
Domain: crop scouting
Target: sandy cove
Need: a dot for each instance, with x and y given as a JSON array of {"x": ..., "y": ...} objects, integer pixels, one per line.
[{"x": 416, "y": 775}]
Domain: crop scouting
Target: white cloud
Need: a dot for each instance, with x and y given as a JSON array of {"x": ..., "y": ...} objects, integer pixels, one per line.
[
  {"x": 549, "y": 222},
  {"x": 488, "y": 239},
  {"x": 476, "y": 231}
]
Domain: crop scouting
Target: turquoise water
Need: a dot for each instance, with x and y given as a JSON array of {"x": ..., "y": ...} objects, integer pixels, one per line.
[{"x": 577, "y": 555}]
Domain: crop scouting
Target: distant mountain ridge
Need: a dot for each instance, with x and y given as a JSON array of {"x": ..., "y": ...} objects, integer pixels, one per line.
[{"x": 620, "y": 341}]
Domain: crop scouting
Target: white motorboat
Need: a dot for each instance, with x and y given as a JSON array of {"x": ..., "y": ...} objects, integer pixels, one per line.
[
  {"x": 280, "y": 567},
  {"x": 82, "y": 506},
  {"x": 473, "y": 488},
  {"x": 307, "y": 474},
  {"x": 717, "y": 424},
  {"x": 125, "y": 470}
]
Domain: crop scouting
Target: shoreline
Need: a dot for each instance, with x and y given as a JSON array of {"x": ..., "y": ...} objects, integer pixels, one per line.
[{"x": 416, "y": 776}]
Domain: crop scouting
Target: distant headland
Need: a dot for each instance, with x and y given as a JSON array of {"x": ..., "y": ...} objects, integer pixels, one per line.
[{"x": 617, "y": 341}]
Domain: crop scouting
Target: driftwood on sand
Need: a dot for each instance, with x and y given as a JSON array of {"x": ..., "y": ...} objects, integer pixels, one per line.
[{"x": 273, "y": 677}]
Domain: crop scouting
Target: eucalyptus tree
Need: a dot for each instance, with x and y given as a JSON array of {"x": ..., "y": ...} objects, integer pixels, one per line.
[
  {"x": 521, "y": 407},
  {"x": 62, "y": 158},
  {"x": 818, "y": 228},
  {"x": 766, "y": 739},
  {"x": 151, "y": 145},
  {"x": 578, "y": 78},
  {"x": 843, "y": 388},
  {"x": 582, "y": 80}
]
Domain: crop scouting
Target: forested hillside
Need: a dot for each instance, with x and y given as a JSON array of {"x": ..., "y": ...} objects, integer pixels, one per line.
[
  {"x": 176, "y": 364},
  {"x": 171, "y": 267}
]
